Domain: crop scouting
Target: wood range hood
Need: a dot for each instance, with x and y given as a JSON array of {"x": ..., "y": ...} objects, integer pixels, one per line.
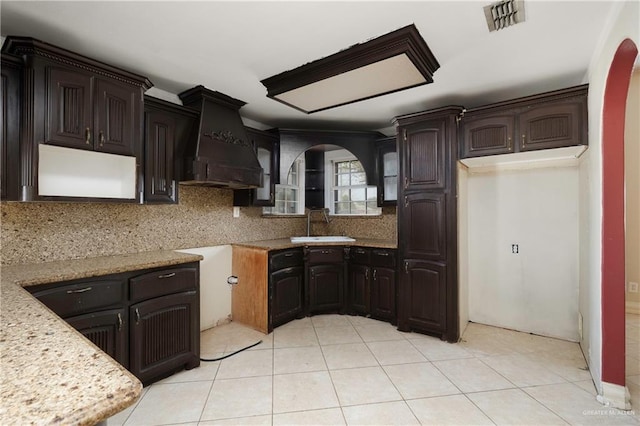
[{"x": 221, "y": 155}]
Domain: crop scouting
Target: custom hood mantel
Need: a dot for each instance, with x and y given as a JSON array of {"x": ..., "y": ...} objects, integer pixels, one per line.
[{"x": 221, "y": 155}]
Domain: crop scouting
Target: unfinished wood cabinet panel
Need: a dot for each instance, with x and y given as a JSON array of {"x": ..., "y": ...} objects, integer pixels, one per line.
[{"x": 249, "y": 299}]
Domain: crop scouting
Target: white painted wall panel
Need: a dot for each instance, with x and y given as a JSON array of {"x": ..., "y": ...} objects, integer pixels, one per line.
[
  {"x": 535, "y": 290},
  {"x": 215, "y": 293}
]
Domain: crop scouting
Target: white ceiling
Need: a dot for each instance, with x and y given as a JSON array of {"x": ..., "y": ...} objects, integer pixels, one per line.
[{"x": 230, "y": 46}]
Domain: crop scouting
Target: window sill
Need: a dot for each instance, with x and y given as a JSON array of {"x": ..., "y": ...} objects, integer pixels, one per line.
[{"x": 283, "y": 216}]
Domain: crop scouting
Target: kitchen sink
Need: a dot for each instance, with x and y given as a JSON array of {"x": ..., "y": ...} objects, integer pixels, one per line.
[{"x": 322, "y": 239}]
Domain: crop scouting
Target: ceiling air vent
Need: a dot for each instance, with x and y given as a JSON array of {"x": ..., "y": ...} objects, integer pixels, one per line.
[{"x": 504, "y": 14}]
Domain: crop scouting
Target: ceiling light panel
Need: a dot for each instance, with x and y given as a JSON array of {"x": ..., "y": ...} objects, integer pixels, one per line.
[{"x": 395, "y": 61}]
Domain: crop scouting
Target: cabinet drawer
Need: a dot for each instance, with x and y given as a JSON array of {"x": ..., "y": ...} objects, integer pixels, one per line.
[
  {"x": 381, "y": 257},
  {"x": 85, "y": 296},
  {"x": 160, "y": 283},
  {"x": 326, "y": 255},
  {"x": 360, "y": 255},
  {"x": 285, "y": 259}
]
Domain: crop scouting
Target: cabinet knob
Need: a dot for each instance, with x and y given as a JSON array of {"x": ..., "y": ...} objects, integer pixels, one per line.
[{"x": 87, "y": 136}]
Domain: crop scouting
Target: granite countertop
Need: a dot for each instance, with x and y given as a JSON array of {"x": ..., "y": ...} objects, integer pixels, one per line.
[
  {"x": 285, "y": 243},
  {"x": 50, "y": 372}
]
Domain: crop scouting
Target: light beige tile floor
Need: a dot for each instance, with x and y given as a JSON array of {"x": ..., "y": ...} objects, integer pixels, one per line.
[{"x": 345, "y": 370}]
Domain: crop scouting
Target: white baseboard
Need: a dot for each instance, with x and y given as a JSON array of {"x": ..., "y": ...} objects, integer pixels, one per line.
[
  {"x": 615, "y": 396},
  {"x": 632, "y": 307}
]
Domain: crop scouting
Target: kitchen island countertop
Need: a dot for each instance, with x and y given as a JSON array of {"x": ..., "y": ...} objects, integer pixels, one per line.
[{"x": 50, "y": 372}]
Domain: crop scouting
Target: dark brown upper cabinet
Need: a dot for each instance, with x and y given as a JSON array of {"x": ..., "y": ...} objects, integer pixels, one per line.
[
  {"x": 167, "y": 129},
  {"x": 548, "y": 120},
  {"x": 423, "y": 155},
  {"x": 267, "y": 148},
  {"x": 10, "y": 105},
  {"x": 73, "y": 101},
  {"x": 387, "y": 171},
  {"x": 85, "y": 111}
]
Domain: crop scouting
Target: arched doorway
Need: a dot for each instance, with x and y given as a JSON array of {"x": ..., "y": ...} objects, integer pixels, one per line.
[{"x": 613, "y": 198}]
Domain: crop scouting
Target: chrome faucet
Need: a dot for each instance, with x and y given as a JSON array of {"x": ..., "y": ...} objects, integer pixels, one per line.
[{"x": 325, "y": 213}]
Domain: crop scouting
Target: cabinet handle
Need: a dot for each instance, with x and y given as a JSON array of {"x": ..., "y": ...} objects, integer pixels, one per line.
[
  {"x": 87, "y": 136},
  {"x": 374, "y": 274},
  {"x": 524, "y": 137},
  {"x": 406, "y": 201},
  {"x": 406, "y": 182},
  {"x": 101, "y": 138},
  {"x": 172, "y": 274},
  {"x": 207, "y": 171},
  {"x": 288, "y": 255},
  {"x": 406, "y": 267},
  {"x": 81, "y": 290},
  {"x": 119, "y": 322},
  {"x": 360, "y": 251},
  {"x": 326, "y": 251},
  {"x": 366, "y": 275},
  {"x": 382, "y": 253},
  {"x": 137, "y": 316}
]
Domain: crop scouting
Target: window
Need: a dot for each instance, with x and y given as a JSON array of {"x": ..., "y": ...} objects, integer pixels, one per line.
[
  {"x": 347, "y": 192},
  {"x": 290, "y": 196}
]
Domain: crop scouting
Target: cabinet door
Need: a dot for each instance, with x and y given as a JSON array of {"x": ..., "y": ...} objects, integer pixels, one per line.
[
  {"x": 159, "y": 176},
  {"x": 488, "y": 135},
  {"x": 552, "y": 125},
  {"x": 287, "y": 301},
  {"x": 108, "y": 330},
  {"x": 164, "y": 335},
  {"x": 383, "y": 294},
  {"x": 69, "y": 120},
  {"x": 117, "y": 117},
  {"x": 10, "y": 113},
  {"x": 359, "y": 289},
  {"x": 387, "y": 173},
  {"x": 326, "y": 288},
  {"x": 424, "y": 156},
  {"x": 422, "y": 296},
  {"x": 422, "y": 229}
]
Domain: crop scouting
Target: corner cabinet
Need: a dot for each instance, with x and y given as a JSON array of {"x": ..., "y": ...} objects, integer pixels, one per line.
[
  {"x": 548, "y": 120},
  {"x": 325, "y": 273},
  {"x": 427, "y": 223},
  {"x": 267, "y": 148},
  {"x": 148, "y": 321},
  {"x": 168, "y": 128},
  {"x": 75, "y": 102}
]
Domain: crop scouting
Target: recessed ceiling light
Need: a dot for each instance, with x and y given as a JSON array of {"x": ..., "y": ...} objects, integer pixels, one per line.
[{"x": 395, "y": 61}]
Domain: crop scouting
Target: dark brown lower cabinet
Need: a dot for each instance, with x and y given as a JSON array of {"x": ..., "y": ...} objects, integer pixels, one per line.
[
  {"x": 287, "y": 295},
  {"x": 107, "y": 330},
  {"x": 359, "y": 289},
  {"x": 326, "y": 288},
  {"x": 162, "y": 337},
  {"x": 423, "y": 296},
  {"x": 148, "y": 321},
  {"x": 383, "y": 294}
]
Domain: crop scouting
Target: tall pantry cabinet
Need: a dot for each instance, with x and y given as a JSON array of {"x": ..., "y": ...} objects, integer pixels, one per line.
[{"x": 427, "y": 222}]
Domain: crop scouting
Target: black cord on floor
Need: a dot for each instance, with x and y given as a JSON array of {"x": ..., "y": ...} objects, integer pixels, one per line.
[{"x": 231, "y": 354}]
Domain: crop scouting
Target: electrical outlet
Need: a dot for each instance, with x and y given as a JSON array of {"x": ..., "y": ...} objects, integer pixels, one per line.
[
  {"x": 515, "y": 249},
  {"x": 236, "y": 211},
  {"x": 633, "y": 287}
]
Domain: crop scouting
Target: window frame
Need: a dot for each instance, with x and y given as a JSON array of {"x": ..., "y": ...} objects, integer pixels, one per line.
[{"x": 340, "y": 155}]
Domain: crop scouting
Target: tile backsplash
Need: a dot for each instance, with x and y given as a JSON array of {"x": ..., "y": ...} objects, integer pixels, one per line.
[{"x": 41, "y": 232}]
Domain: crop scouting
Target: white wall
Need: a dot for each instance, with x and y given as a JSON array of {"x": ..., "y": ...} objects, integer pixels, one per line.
[
  {"x": 535, "y": 290},
  {"x": 623, "y": 23},
  {"x": 215, "y": 293}
]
